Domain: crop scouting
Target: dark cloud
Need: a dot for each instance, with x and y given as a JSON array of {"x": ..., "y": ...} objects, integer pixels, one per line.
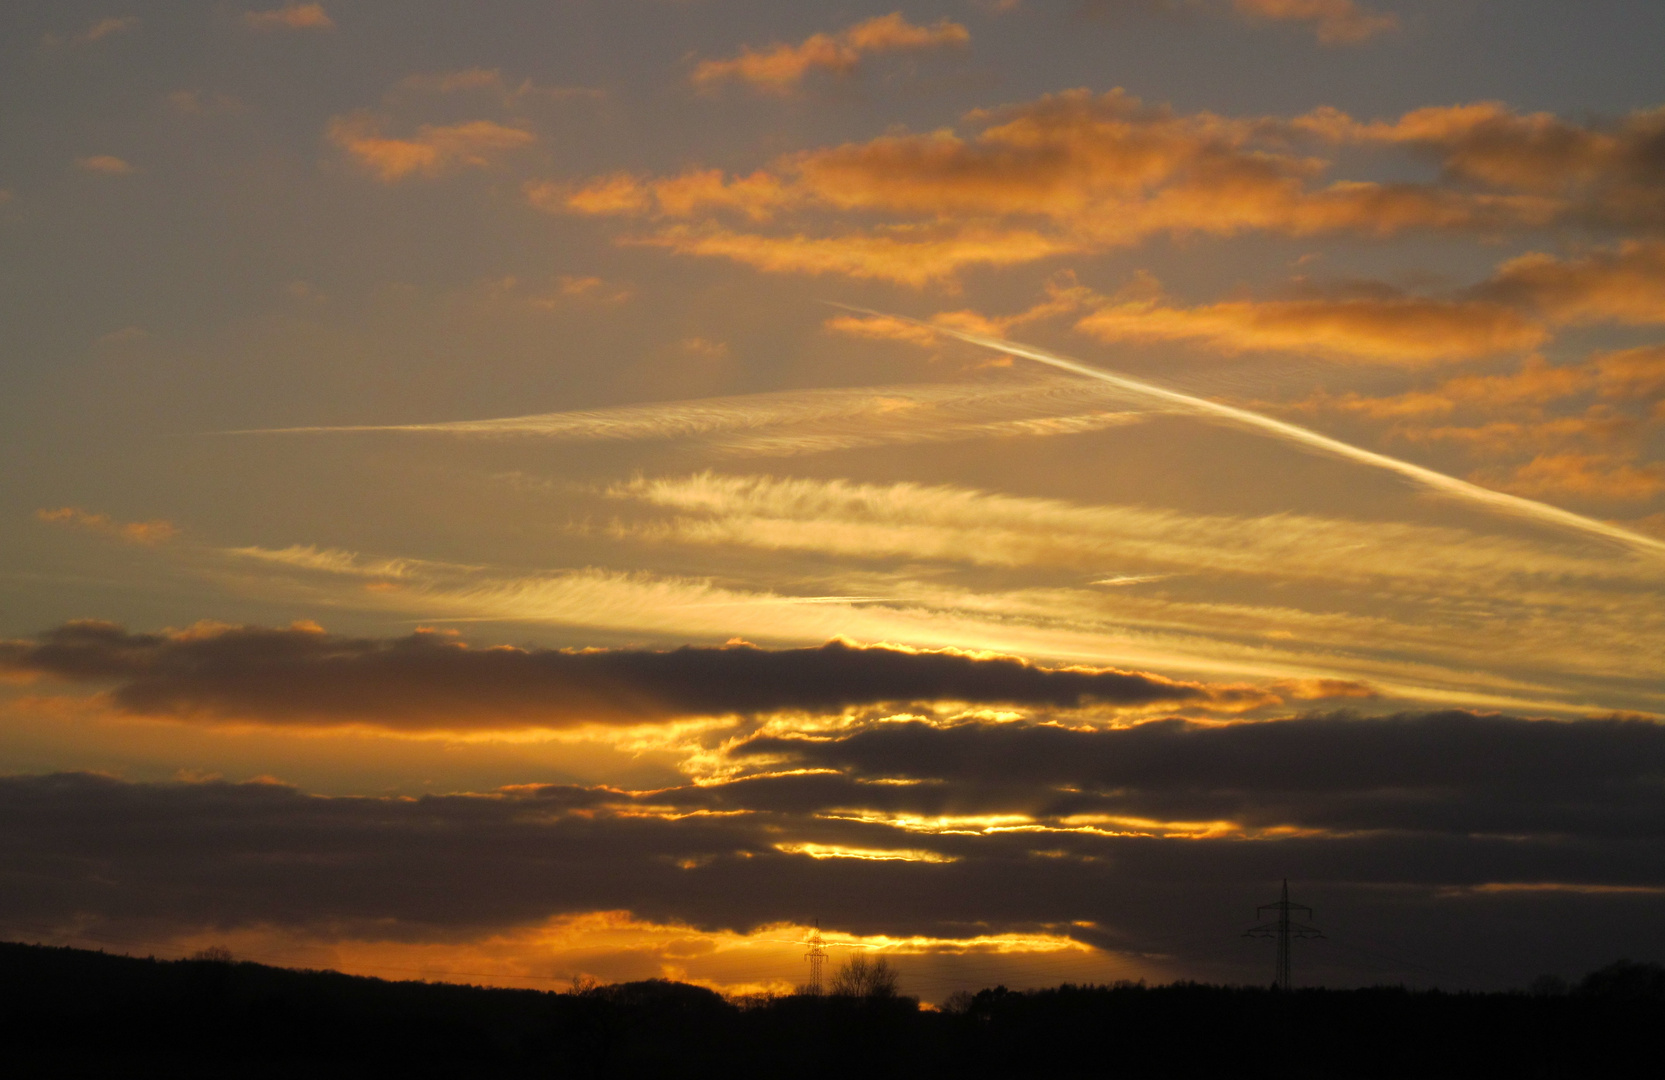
[
  {"x": 1436, "y": 772},
  {"x": 302, "y": 675},
  {"x": 94, "y": 853}
]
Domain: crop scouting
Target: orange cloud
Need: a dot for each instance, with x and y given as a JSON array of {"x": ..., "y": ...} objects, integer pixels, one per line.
[
  {"x": 290, "y": 17},
  {"x": 1602, "y": 173},
  {"x": 1119, "y": 170},
  {"x": 107, "y": 164},
  {"x": 1063, "y": 294},
  {"x": 781, "y": 67},
  {"x": 1504, "y": 438},
  {"x": 1336, "y": 22},
  {"x": 1395, "y": 329},
  {"x": 1602, "y": 476},
  {"x": 757, "y": 196},
  {"x": 134, "y": 532},
  {"x": 905, "y": 255},
  {"x": 1068, "y": 173},
  {"x": 1515, "y": 309},
  {"x": 1624, "y": 284},
  {"x": 1592, "y": 453},
  {"x": 434, "y": 150},
  {"x": 1536, "y": 383},
  {"x": 883, "y": 328},
  {"x": 1633, "y": 373}
]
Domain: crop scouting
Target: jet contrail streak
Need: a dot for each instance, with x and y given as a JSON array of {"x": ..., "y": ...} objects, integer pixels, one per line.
[
  {"x": 1300, "y": 436},
  {"x": 808, "y": 421}
]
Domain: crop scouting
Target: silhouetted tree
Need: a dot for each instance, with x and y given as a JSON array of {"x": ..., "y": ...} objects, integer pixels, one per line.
[
  {"x": 1626, "y": 980},
  {"x": 864, "y": 978}
]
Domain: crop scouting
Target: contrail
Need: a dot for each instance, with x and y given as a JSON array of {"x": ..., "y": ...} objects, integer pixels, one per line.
[
  {"x": 1293, "y": 433},
  {"x": 807, "y": 421}
]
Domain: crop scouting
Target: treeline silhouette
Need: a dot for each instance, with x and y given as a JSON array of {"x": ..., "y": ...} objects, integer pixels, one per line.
[{"x": 71, "y": 1012}]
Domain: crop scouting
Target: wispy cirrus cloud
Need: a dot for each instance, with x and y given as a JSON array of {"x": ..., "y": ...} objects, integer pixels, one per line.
[
  {"x": 1442, "y": 614},
  {"x": 780, "y": 68},
  {"x": 967, "y": 525}
]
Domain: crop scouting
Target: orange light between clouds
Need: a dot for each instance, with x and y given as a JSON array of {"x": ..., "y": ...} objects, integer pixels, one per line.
[{"x": 614, "y": 946}]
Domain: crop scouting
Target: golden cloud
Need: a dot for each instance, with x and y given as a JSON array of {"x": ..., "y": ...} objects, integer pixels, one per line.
[
  {"x": 434, "y": 150},
  {"x": 779, "y": 68}
]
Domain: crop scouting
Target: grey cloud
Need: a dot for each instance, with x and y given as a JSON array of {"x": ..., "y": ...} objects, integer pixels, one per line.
[{"x": 302, "y": 675}]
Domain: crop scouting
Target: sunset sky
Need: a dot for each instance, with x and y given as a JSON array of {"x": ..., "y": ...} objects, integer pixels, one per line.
[{"x": 514, "y": 491}]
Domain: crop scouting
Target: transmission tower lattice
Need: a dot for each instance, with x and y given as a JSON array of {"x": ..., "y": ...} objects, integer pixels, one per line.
[
  {"x": 1283, "y": 928},
  {"x": 817, "y": 956}
]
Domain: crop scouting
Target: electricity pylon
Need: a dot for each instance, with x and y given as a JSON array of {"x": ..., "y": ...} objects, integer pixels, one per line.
[
  {"x": 817, "y": 954},
  {"x": 1283, "y": 928}
]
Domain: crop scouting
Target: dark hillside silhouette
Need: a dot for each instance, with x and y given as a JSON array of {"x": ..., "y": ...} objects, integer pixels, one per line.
[{"x": 68, "y": 1012}]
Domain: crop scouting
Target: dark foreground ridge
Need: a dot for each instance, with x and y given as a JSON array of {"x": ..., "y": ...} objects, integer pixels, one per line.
[{"x": 70, "y": 1012}]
